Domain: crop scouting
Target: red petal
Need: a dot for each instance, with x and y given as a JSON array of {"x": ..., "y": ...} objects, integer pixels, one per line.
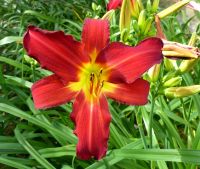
[
  {"x": 55, "y": 51},
  {"x": 114, "y": 4},
  {"x": 135, "y": 93},
  {"x": 92, "y": 119},
  {"x": 128, "y": 63},
  {"x": 50, "y": 91},
  {"x": 95, "y": 36}
]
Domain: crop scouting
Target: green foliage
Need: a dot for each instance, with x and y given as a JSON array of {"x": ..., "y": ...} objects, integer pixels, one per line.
[{"x": 163, "y": 134}]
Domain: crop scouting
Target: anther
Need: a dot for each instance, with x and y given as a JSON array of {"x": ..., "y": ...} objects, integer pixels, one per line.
[
  {"x": 101, "y": 71},
  {"x": 91, "y": 82},
  {"x": 102, "y": 83},
  {"x": 92, "y": 77}
]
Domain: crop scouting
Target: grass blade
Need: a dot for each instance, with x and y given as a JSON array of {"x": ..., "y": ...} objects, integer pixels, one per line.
[{"x": 32, "y": 151}]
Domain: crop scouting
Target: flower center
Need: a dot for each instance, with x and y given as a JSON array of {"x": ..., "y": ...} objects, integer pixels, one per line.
[{"x": 91, "y": 79}]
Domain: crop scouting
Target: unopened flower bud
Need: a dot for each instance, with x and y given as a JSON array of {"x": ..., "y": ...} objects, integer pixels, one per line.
[
  {"x": 155, "y": 5},
  {"x": 169, "y": 75},
  {"x": 148, "y": 25},
  {"x": 186, "y": 65},
  {"x": 135, "y": 26},
  {"x": 125, "y": 19},
  {"x": 194, "y": 5},
  {"x": 108, "y": 15},
  {"x": 172, "y": 8},
  {"x": 178, "y": 50},
  {"x": 177, "y": 92},
  {"x": 142, "y": 20},
  {"x": 30, "y": 60},
  {"x": 170, "y": 64},
  {"x": 153, "y": 73},
  {"x": 148, "y": 5},
  {"x": 173, "y": 82},
  {"x": 136, "y": 8},
  {"x": 94, "y": 6}
]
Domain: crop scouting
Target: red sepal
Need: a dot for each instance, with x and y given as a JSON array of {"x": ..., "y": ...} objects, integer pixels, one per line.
[{"x": 50, "y": 92}]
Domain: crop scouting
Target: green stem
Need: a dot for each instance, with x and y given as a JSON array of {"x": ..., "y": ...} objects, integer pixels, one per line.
[
  {"x": 151, "y": 121},
  {"x": 33, "y": 71},
  {"x": 139, "y": 122}
]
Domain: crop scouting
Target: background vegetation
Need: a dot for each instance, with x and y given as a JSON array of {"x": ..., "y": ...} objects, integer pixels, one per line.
[{"x": 31, "y": 138}]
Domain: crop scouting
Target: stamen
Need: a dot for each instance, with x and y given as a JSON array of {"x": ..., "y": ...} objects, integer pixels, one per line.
[
  {"x": 99, "y": 87},
  {"x": 96, "y": 83},
  {"x": 101, "y": 71},
  {"x": 102, "y": 83},
  {"x": 91, "y": 83},
  {"x": 91, "y": 76}
]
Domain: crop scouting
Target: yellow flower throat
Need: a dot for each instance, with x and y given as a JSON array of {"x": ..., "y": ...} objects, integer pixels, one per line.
[{"x": 91, "y": 79}]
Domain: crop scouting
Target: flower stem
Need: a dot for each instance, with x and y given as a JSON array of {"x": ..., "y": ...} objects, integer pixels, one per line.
[
  {"x": 139, "y": 122},
  {"x": 151, "y": 121}
]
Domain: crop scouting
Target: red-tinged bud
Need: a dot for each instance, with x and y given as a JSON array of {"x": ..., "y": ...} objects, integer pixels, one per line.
[
  {"x": 194, "y": 5},
  {"x": 178, "y": 50},
  {"x": 186, "y": 65}
]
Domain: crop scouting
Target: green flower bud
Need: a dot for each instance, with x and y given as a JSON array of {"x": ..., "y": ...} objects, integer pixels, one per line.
[
  {"x": 125, "y": 19},
  {"x": 30, "y": 60},
  {"x": 170, "y": 64},
  {"x": 177, "y": 92},
  {"x": 155, "y": 5},
  {"x": 94, "y": 6},
  {"x": 108, "y": 15},
  {"x": 173, "y": 8},
  {"x": 142, "y": 20},
  {"x": 148, "y": 25},
  {"x": 136, "y": 7},
  {"x": 186, "y": 65},
  {"x": 169, "y": 75},
  {"x": 148, "y": 5},
  {"x": 173, "y": 82},
  {"x": 153, "y": 73}
]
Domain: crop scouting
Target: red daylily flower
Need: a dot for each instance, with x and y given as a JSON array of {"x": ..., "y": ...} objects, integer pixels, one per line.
[
  {"x": 89, "y": 71},
  {"x": 114, "y": 4}
]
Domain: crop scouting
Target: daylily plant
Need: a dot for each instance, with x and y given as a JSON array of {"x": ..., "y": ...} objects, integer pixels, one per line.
[{"x": 88, "y": 72}]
